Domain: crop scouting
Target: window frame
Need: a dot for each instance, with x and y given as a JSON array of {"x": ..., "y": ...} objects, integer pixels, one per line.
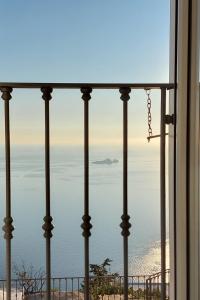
[{"x": 184, "y": 150}]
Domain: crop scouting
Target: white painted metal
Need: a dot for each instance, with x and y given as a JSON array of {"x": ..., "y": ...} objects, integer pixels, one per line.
[
  {"x": 171, "y": 141},
  {"x": 187, "y": 159}
]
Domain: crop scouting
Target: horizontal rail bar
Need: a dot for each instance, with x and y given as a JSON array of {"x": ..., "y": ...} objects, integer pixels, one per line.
[
  {"x": 157, "y": 274},
  {"x": 147, "y": 276},
  {"x": 33, "y": 85}
]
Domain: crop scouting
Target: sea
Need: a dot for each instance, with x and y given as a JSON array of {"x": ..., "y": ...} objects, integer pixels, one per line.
[{"x": 67, "y": 200}]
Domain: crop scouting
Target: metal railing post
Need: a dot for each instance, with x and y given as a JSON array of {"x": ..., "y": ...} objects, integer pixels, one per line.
[
  {"x": 163, "y": 193},
  {"x": 47, "y": 227},
  {"x": 86, "y": 225},
  {"x": 125, "y": 225},
  {"x": 8, "y": 227}
]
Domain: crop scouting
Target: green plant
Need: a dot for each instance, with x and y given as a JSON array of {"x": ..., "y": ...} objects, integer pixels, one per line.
[
  {"x": 102, "y": 281},
  {"x": 136, "y": 293}
]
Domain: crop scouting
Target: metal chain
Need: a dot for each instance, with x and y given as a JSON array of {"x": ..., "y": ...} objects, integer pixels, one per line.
[{"x": 149, "y": 117}]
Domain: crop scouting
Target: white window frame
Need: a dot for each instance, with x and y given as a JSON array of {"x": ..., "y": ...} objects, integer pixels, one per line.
[{"x": 184, "y": 222}]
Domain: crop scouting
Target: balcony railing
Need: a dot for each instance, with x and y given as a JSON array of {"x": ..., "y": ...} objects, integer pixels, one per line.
[
  {"x": 86, "y": 91},
  {"x": 153, "y": 285},
  {"x": 72, "y": 288}
]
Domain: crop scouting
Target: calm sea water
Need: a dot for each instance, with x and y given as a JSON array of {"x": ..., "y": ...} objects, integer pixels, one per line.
[{"x": 28, "y": 208}]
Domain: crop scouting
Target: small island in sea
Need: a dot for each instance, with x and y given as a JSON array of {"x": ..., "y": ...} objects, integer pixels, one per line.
[{"x": 106, "y": 161}]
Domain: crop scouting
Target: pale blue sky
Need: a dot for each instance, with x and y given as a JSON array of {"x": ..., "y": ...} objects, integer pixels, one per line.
[
  {"x": 84, "y": 40},
  {"x": 80, "y": 41}
]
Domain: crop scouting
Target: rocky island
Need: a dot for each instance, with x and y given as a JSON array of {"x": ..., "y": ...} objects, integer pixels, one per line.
[{"x": 106, "y": 161}]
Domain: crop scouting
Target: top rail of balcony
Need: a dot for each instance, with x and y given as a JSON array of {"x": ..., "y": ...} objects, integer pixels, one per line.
[{"x": 58, "y": 85}]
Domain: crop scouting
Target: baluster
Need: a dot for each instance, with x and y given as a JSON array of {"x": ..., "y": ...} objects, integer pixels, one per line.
[
  {"x": 72, "y": 289},
  {"x": 47, "y": 227},
  {"x": 114, "y": 282},
  {"x": 22, "y": 285},
  {"x": 132, "y": 286},
  {"x": 78, "y": 288},
  {"x": 8, "y": 227},
  {"x": 53, "y": 287},
  {"x": 41, "y": 285},
  {"x": 157, "y": 287},
  {"x": 150, "y": 288},
  {"x": 66, "y": 287},
  {"x": 86, "y": 225},
  {"x": 16, "y": 291},
  {"x": 162, "y": 194},
  {"x": 59, "y": 287},
  {"x": 144, "y": 287},
  {"x": 3, "y": 290},
  {"x": 125, "y": 225},
  {"x": 120, "y": 282}
]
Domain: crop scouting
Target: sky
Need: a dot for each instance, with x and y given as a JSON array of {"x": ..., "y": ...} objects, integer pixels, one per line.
[{"x": 82, "y": 41}]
